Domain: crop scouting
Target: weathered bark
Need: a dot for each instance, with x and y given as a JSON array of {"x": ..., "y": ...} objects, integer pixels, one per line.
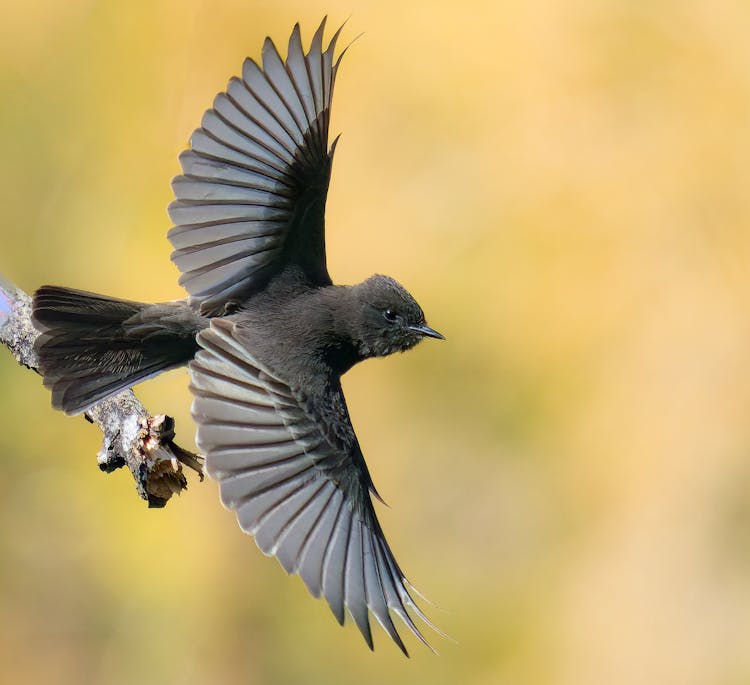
[{"x": 132, "y": 437}]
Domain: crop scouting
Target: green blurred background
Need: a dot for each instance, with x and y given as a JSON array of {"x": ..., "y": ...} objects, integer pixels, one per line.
[{"x": 563, "y": 185}]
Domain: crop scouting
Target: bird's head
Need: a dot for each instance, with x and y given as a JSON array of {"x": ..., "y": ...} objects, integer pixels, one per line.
[{"x": 389, "y": 318}]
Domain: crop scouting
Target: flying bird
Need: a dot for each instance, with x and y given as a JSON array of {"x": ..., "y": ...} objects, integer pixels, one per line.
[{"x": 265, "y": 333}]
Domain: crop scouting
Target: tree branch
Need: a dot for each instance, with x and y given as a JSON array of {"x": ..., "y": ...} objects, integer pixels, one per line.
[{"x": 132, "y": 437}]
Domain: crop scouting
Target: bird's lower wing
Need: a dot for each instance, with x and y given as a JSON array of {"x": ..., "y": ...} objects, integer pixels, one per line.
[{"x": 302, "y": 498}]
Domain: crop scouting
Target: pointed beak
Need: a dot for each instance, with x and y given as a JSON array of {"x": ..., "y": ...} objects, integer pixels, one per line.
[{"x": 427, "y": 332}]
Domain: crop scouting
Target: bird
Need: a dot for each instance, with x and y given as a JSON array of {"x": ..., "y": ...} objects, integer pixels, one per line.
[{"x": 265, "y": 333}]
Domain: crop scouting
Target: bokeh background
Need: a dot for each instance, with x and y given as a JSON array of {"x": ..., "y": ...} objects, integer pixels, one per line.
[{"x": 563, "y": 184}]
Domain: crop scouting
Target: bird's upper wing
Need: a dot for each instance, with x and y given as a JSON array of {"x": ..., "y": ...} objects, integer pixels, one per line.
[
  {"x": 252, "y": 194},
  {"x": 296, "y": 481}
]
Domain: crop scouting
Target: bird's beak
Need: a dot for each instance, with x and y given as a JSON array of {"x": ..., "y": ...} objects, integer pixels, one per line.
[{"x": 427, "y": 332}]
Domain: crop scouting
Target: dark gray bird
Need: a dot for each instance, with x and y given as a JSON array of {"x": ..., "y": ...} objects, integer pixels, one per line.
[{"x": 265, "y": 333}]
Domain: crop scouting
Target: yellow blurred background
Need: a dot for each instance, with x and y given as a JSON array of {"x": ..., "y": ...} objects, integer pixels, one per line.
[{"x": 564, "y": 187}]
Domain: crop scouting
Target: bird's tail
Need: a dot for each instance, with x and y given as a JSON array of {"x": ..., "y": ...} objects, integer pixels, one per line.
[{"x": 92, "y": 346}]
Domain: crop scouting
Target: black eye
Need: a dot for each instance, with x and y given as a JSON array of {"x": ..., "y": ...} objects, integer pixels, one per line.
[{"x": 390, "y": 315}]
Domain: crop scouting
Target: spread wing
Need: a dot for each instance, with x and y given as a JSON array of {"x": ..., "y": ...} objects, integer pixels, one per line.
[
  {"x": 296, "y": 482},
  {"x": 251, "y": 198}
]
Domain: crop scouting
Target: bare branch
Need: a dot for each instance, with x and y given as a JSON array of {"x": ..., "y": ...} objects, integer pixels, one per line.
[{"x": 132, "y": 437}]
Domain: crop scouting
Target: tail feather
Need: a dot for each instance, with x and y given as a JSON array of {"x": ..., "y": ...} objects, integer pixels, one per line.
[
  {"x": 92, "y": 346},
  {"x": 77, "y": 394},
  {"x": 54, "y": 305}
]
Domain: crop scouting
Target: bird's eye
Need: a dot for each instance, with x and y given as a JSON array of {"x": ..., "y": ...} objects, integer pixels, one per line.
[{"x": 390, "y": 315}]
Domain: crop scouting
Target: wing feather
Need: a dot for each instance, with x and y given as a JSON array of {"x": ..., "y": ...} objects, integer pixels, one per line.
[
  {"x": 260, "y": 155},
  {"x": 262, "y": 132},
  {"x": 355, "y": 592},
  {"x": 334, "y": 563},
  {"x": 261, "y": 88},
  {"x": 312, "y": 556},
  {"x": 197, "y": 165},
  {"x": 297, "y": 68},
  {"x": 301, "y": 526},
  {"x": 278, "y": 77},
  {"x": 297, "y": 485}
]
